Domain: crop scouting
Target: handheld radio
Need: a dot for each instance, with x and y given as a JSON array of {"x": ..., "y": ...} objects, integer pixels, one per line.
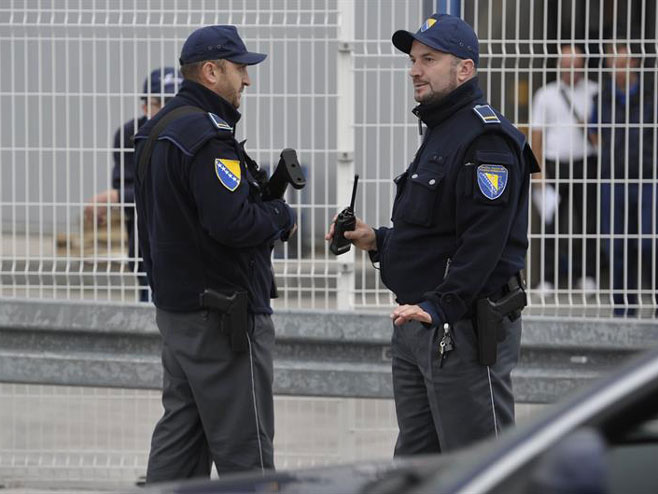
[{"x": 345, "y": 222}]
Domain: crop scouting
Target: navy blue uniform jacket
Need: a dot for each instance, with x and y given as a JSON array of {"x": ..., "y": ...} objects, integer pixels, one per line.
[
  {"x": 201, "y": 221},
  {"x": 460, "y": 215}
]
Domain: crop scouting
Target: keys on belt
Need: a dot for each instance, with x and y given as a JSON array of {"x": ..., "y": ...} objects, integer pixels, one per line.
[{"x": 446, "y": 344}]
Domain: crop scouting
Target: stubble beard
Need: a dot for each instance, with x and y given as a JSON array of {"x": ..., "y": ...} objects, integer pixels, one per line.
[{"x": 434, "y": 97}]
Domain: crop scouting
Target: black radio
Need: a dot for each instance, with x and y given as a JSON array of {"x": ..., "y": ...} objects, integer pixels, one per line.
[{"x": 346, "y": 221}]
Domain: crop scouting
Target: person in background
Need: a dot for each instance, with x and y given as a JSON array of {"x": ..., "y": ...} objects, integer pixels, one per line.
[
  {"x": 624, "y": 121},
  {"x": 159, "y": 86},
  {"x": 567, "y": 194}
]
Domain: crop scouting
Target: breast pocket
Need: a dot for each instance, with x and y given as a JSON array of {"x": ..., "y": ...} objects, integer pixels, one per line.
[{"x": 419, "y": 202}]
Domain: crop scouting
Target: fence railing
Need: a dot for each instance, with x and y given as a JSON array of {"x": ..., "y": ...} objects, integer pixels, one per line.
[
  {"x": 334, "y": 88},
  {"x": 317, "y": 353}
]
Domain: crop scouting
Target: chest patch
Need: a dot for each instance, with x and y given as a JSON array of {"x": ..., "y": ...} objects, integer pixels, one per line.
[
  {"x": 228, "y": 172},
  {"x": 492, "y": 180}
]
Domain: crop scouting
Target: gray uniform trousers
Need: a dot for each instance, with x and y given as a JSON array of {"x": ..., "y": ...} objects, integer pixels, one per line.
[
  {"x": 218, "y": 405},
  {"x": 449, "y": 407}
]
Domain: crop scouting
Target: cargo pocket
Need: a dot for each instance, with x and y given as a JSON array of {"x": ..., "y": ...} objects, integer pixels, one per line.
[{"x": 419, "y": 201}]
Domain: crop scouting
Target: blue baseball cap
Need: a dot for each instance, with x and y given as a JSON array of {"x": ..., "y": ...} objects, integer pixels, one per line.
[
  {"x": 163, "y": 80},
  {"x": 217, "y": 42},
  {"x": 445, "y": 33}
]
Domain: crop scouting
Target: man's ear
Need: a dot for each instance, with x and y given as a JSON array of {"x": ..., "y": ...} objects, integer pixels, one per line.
[
  {"x": 465, "y": 70},
  {"x": 210, "y": 72}
]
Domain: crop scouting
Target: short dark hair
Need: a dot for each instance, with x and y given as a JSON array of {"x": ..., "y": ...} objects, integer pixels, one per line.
[{"x": 191, "y": 71}]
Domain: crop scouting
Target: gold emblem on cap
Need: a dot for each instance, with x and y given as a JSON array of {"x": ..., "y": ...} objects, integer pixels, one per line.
[{"x": 428, "y": 24}]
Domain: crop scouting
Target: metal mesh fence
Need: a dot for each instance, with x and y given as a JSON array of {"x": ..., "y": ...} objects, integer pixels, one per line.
[
  {"x": 76, "y": 75},
  {"x": 335, "y": 89}
]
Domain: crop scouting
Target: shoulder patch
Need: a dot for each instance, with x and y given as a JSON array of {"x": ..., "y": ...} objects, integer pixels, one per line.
[
  {"x": 486, "y": 114},
  {"x": 219, "y": 123},
  {"x": 492, "y": 180},
  {"x": 228, "y": 172}
]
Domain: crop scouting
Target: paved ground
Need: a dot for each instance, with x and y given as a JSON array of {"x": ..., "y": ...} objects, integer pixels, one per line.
[{"x": 66, "y": 439}]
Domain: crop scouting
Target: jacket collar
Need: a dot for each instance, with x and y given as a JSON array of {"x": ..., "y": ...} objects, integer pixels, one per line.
[
  {"x": 198, "y": 95},
  {"x": 433, "y": 114}
]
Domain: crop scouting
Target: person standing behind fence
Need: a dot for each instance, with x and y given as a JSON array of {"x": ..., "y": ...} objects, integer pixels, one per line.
[
  {"x": 206, "y": 236},
  {"x": 456, "y": 249},
  {"x": 568, "y": 199},
  {"x": 160, "y": 82},
  {"x": 625, "y": 122}
]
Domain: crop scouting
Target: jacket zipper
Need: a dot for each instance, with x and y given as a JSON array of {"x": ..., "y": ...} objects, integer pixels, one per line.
[{"x": 448, "y": 262}]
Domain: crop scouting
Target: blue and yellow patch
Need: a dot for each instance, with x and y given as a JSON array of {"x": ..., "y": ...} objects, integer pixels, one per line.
[
  {"x": 486, "y": 113},
  {"x": 228, "y": 173},
  {"x": 492, "y": 180},
  {"x": 427, "y": 24}
]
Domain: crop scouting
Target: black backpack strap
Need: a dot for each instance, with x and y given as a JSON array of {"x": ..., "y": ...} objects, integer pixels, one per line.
[{"x": 145, "y": 156}]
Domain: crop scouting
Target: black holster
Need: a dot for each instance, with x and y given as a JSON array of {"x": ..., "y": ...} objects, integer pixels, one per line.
[
  {"x": 489, "y": 317},
  {"x": 233, "y": 310}
]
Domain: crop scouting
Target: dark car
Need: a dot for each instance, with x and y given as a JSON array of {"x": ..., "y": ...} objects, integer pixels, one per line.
[{"x": 602, "y": 439}]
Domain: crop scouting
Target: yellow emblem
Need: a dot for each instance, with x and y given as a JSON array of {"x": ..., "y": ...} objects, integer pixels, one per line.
[
  {"x": 493, "y": 178},
  {"x": 427, "y": 24},
  {"x": 228, "y": 172}
]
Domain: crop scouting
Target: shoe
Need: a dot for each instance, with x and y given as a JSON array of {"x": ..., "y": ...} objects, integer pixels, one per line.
[
  {"x": 587, "y": 285},
  {"x": 544, "y": 288}
]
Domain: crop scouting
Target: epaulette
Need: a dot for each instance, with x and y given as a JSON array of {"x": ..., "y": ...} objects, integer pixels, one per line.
[
  {"x": 486, "y": 114},
  {"x": 190, "y": 132},
  {"x": 219, "y": 123}
]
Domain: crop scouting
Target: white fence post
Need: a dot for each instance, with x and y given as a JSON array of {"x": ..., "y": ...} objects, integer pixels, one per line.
[{"x": 345, "y": 142}]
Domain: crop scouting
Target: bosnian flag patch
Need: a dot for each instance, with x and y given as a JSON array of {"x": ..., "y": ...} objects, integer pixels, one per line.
[
  {"x": 228, "y": 173},
  {"x": 492, "y": 180},
  {"x": 427, "y": 24}
]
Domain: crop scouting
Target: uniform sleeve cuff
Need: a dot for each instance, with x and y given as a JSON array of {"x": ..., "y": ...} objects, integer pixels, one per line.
[
  {"x": 450, "y": 307},
  {"x": 434, "y": 312},
  {"x": 284, "y": 217},
  {"x": 380, "y": 235},
  {"x": 292, "y": 219}
]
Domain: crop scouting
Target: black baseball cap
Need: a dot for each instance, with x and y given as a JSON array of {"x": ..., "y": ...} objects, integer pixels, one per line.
[
  {"x": 445, "y": 33},
  {"x": 217, "y": 42}
]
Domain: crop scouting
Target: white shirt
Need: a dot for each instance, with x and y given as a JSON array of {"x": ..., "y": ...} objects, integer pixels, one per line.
[{"x": 564, "y": 138}]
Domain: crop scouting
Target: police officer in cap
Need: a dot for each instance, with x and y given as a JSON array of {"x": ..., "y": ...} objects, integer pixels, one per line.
[
  {"x": 206, "y": 236},
  {"x": 455, "y": 251},
  {"x": 160, "y": 82}
]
